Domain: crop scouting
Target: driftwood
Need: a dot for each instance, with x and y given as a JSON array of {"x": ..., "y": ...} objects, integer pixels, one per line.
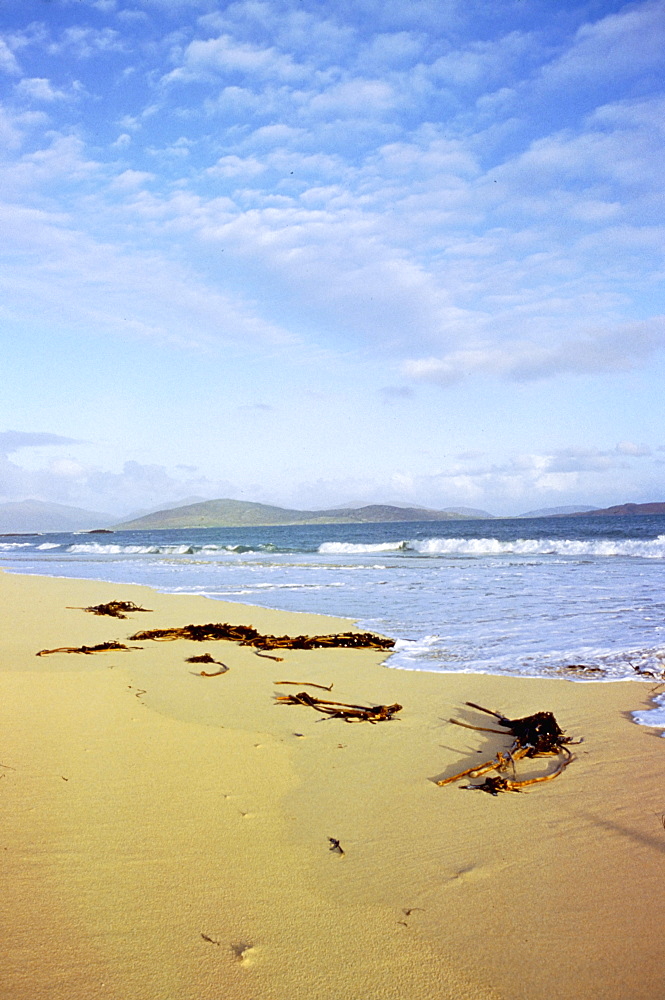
[
  {"x": 246, "y": 635},
  {"x": 537, "y": 735},
  {"x": 114, "y": 609},
  {"x": 340, "y": 709},
  {"x": 102, "y": 647}
]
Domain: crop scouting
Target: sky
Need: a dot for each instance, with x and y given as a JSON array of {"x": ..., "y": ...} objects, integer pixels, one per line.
[{"x": 311, "y": 253}]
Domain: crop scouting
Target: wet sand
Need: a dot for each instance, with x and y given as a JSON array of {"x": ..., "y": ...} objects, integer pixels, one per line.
[{"x": 165, "y": 836}]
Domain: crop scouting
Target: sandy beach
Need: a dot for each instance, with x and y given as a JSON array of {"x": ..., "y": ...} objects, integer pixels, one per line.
[{"x": 166, "y": 836}]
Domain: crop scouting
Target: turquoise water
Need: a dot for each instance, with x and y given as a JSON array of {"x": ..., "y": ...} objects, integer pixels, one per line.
[{"x": 530, "y": 597}]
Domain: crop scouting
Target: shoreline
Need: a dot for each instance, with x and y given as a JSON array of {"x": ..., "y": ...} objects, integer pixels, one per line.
[{"x": 167, "y": 834}]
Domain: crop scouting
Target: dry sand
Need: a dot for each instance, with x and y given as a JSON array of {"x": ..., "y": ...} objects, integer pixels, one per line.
[{"x": 164, "y": 836}]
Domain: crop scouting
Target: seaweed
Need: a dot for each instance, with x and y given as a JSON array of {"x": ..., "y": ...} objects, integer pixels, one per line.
[
  {"x": 494, "y": 785},
  {"x": 207, "y": 658},
  {"x": 340, "y": 709},
  {"x": 246, "y": 635},
  {"x": 309, "y": 684},
  {"x": 102, "y": 647},
  {"x": 113, "y": 609},
  {"x": 202, "y": 658},
  {"x": 537, "y": 735}
]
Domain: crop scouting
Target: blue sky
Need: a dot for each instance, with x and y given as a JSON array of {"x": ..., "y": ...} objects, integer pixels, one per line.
[{"x": 310, "y": 253}]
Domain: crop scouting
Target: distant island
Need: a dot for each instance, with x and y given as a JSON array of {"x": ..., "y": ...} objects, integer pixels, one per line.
[
  {"x": 627, "y": 508},
  {"x": 36, "y": 516},
  {"x": 558, "y": 511},
  {"x": 239, "y": 513}
]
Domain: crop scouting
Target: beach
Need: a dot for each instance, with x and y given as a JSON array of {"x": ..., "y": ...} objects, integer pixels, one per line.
[{"x": 167, "y": 836}]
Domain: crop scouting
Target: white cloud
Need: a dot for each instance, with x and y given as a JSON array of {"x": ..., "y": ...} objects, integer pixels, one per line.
[
  {"x": 391, "y": 50},
  {"x": 39, "y": 89},
  {"x": 358, "y": 96},
  {"x": 311, "y": 36},
  {"x": 416, "y": 188},
  {"x": 84, "y": 42},
  {"x": 481, "y": 62},
  {"x": 11, "y": 441},
  {"x": 509, "y": 485},
  {"x": 630, "y": 448},
  {"x": 129, "y": 180},
  {"x": 619, "y": 348},
  {"x": 225, "y": 55},
  {"x": 180, "y": 149},
  {"x": 132, "y": 16},
  {"x": 136, "y": 486},
  {"x": 621, "y": 45},
  {"x": 8, "y": 62},
  {"x": 11, "y": 135},
  {"x": 63, "y": 159},
  {"x": 236, "y": 166},
  {"x": 92, "y": 285}
]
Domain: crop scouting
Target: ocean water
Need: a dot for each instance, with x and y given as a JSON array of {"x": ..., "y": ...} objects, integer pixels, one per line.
[{"x": 576, "y": 597}]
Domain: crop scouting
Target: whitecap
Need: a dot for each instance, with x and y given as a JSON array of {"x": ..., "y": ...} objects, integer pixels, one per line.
[
  {"x": 644, "y": 549},
  {"x": 348, "y": 548}
]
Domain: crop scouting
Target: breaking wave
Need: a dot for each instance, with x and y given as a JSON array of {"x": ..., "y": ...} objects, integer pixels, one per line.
[
  {"x": 184, "y": 549},
  {"x": 350, "y": 548},
  {"x": 637, "y": 548},
  {"x": 459, "y": 547}
]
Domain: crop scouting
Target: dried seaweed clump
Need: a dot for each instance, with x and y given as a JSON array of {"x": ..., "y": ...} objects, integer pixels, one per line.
[
  {"x": 342, "y": 710},
  {"x": 102, "y": 647},
  {"x": 248, "y": 636},
  {"x": 537, "y": 735},
  {"x": 113, "y": 609},
  {"x": 207, "y": 658}
]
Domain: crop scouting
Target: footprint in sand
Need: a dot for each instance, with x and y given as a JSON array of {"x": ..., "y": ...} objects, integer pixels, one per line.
[
  {"x": 472, "y": 872},
  {"x": 244, "y": 953}
]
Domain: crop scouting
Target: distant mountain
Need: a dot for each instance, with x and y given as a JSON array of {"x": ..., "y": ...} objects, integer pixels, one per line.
[
  {"x": 143, "y": 512},
  {"x": 557, "y": 511},
  {"x": 472, "y": 512},
  {"x": 356, "y": 504},
  {"x": 468, "y": 512},
  {"x": 237, "y": 513},
  {"x": 34, "y": 515},
  {"x": 631, "y": 508}
]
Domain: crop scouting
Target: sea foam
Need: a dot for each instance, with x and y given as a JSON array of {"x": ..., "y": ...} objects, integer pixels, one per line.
[
  {"x": 479, "y": 547},
  {"x": 653, "y": 716}
]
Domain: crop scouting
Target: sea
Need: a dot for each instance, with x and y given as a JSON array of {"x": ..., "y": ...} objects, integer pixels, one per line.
[{"x": 577, "y": 598}]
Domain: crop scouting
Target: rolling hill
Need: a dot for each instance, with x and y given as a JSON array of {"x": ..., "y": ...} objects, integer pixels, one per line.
[
  {"x": 656, "y": 507},
  {"x": 237, "y": 513},
  {"x": 558, "y": 511}
]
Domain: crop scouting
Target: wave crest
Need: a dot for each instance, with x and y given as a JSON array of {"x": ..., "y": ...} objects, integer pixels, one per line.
[
  {"x": 349, "y": 548},
  {"x": 604, "y": 548}
]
